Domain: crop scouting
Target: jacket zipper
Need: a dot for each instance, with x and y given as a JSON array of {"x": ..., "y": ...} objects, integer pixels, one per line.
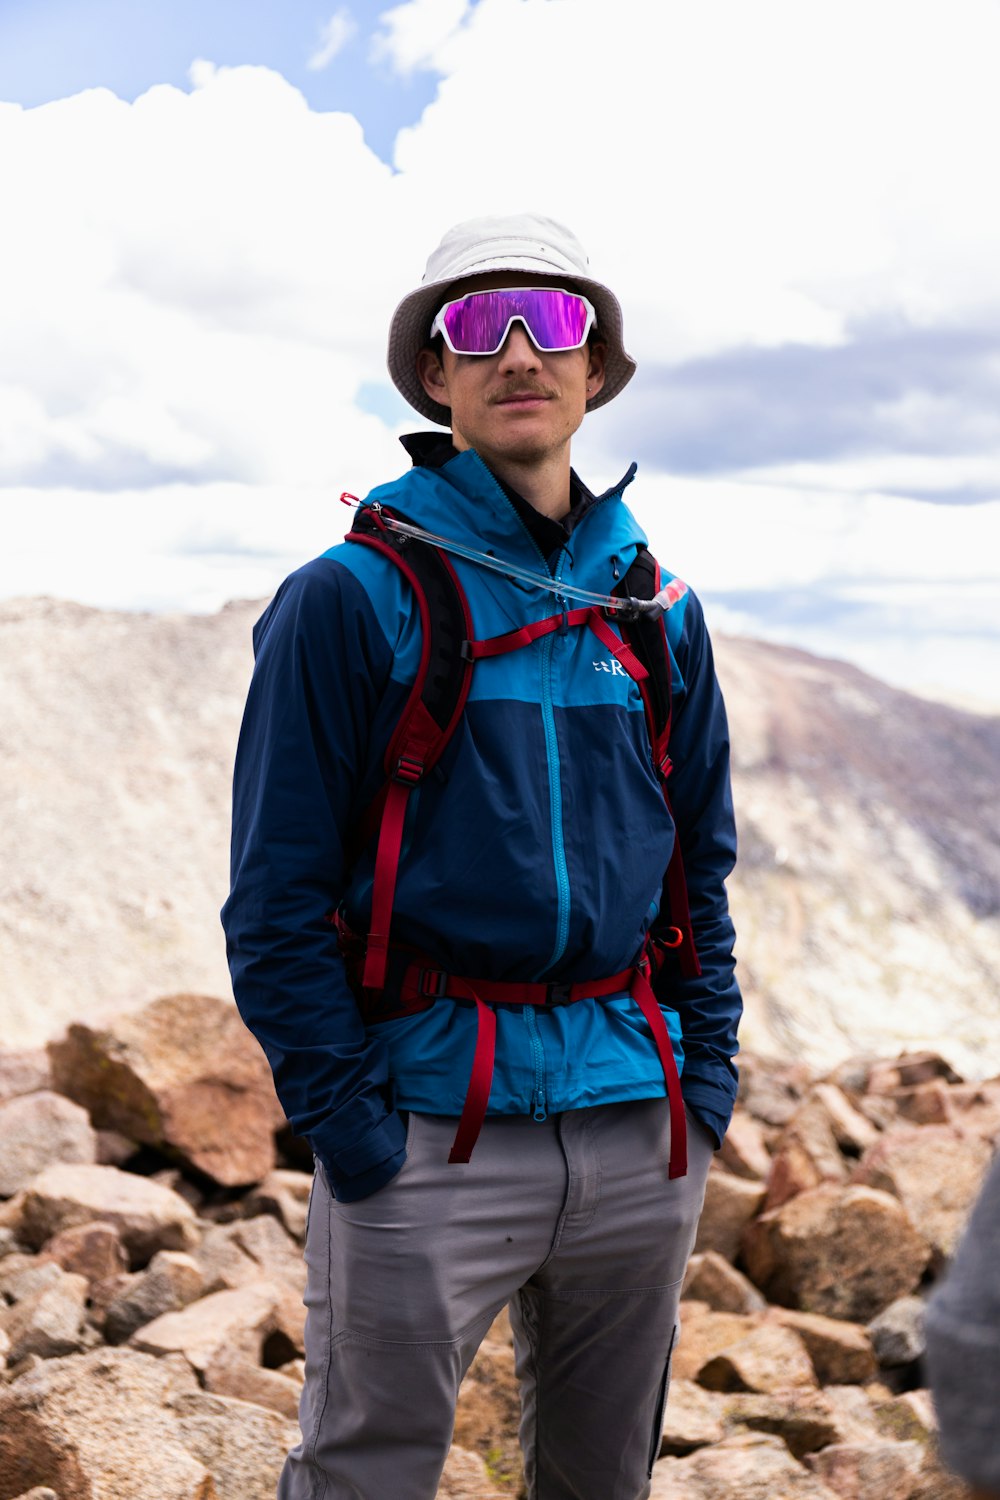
[
  {"x": 555, "y": 794},
  {"x": 538, "y": 1110}
]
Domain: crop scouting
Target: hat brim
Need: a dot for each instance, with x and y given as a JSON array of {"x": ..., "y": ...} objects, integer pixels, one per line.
[{"x": 408, "y": 333}]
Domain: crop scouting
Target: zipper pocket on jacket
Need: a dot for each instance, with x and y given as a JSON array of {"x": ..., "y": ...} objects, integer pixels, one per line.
[{"x": 538, "y": 1109}]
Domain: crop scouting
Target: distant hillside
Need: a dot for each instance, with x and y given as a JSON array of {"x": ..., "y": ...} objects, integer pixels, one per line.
[{"x": 867, "y": 897}]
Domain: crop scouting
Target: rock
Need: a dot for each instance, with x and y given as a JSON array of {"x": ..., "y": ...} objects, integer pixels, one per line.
[
  {"x": 703, "y": 1334},
  {"x": 841, "y": 1353},
  {"x": 853, "y": 1132},
  {"x": 744, "y": 1151},
  {"x": 926, "y": 1103},
  {"x": 769, "y": 1359},
  {"x": 147, "y": 1217},
  {"x": 242, "y": 1447},
  {"x": 811, "y": 1129},
  {"x": 286, "y": 1195},
  {"x": 114, "y": 1150},
  {"x": 770, "y": 1090},
  {"x": 845, "y": 1252},
  {"x": 38, "y": 1129},
  {"x": 804, "y": 1419},
  {"x": 234, "y": 1255},
  {"x": 47, "y": 1322},
  {"x": 23, "y": 1275},
  {"x": 907, "y": 1070},
  {"x": 935, "y": 1172},
  {"x": 793, "y": 1171},
  {"x": 746, "y": 1466},
  {"x": 232, "y": 1374},
  {"x": 25, "y": 1071},
  {"x": 712, "y": 1280},
  {"x": 935, "y": 1482},
  {"x": 730, "y": 1204},
  {"x": 263, "y": 1321},
  {"x": 693, "y": 1419},
  {"x": 92, "y": 1250},
  {"x": 897, "y": 1334},
  {"x": 907, "y": 1417},
  {"x": 9, "y": 1243},
  {"x": 171, "y": 1281},
  {"x": 466, "y": 1477},
  {"x": 489, "y": 1410},
  {"x": 39, "y": 1493},
  {"x": 182, "y": 1074},
  {"x": 868, "y": 1471}
]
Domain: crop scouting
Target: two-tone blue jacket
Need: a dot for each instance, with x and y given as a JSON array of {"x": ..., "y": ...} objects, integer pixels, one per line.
[{"x": 536, "y": 850}]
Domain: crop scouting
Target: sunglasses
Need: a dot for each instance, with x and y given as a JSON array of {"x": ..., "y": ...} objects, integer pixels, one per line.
[{"x": 479, "y": 322}]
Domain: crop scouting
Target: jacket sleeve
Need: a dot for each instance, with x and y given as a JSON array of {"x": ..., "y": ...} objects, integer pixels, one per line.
[
  {"x": 321, "y": 661},
  {"x": 709, "y": 1005}
]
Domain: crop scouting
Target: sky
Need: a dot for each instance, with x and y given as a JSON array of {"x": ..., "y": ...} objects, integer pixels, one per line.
[{"x": 208, "y": 212}]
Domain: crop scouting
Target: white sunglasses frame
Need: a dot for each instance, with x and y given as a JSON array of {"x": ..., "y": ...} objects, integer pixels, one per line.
[{"x": 438, "y": 325}]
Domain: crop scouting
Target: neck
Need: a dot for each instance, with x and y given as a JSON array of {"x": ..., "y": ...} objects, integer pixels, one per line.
[{"x": 545, "y": 485}]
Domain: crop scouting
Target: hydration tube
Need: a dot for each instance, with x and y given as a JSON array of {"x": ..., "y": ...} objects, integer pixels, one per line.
[{"x": 667, "y": 597}]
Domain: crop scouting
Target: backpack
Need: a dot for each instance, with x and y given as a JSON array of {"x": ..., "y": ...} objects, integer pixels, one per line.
[{"x": 429, "y": 718}]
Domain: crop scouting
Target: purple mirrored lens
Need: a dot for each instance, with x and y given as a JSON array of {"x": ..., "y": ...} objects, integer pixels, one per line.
[{"x": 478, "y": 323}]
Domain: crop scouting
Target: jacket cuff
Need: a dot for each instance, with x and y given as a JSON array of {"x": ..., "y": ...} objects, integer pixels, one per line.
[
  {"x": 355, "y": 1171},
  {"x": 711, "y": 1102}
]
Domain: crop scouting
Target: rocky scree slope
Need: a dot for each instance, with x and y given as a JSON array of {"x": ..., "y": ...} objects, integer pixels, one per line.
[{"x": 152, "y": 1211}]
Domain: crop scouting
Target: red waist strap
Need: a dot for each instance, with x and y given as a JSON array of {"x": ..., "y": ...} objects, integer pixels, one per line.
[{"x": 421, "y": 986}]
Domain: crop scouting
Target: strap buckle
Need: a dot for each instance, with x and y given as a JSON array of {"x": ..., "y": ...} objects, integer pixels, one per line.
[
  {"x": 433, "y": 984},
  {"x": 409, "y": 770},
  {"x": 558, "y": 994}
]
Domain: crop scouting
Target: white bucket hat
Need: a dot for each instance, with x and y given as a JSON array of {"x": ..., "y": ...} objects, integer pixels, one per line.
[{"x": 512, "y": 242}]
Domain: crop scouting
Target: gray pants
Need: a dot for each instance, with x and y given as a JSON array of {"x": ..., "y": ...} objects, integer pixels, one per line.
[{"x": 573, "y": 1222}]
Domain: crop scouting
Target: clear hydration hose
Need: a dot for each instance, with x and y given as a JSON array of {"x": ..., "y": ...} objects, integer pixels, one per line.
[{"x": 564, "y": 590}]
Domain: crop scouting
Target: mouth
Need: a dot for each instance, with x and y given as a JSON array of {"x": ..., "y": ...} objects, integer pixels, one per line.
[{"x": 523, "y": 400}]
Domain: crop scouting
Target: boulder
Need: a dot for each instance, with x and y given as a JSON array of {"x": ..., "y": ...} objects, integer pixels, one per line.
[
  {"x": 47, "y": 1322},
  {"x": 286, "y": 1195},
  {"x": 147, "y": 1217},
  {"x": 230, "y": 1373},
  {"x": 909, "y": 1417},
  {"x": 770, "y": 1090},
  {"x": 845, "y": 1252},
  {"x": 769, "y": 1359},
  {"x": 466, "y": 1477},
  {"x": 234, "y": 1255},
  {"x": 804, "y": 1419},
  {"x": 869, "y": 1471},
  {"x": 704, "y": 1333},
  {"x": 40, "y": 1492},
  {"x": 693, "y": 1419},
  {"x": 25, "y": 1071},
  {"x": 936, "y": 1172},
  {"x": 793, "y": 1171},
  {"x": 263, "y": 1321},
  {"x": 38, "y": 1129},
  {"x": 744, "y": 1151},
  {"x": 172, "y": 1280},
  {"x": 908, "y": 1070},
  {"x": 897, "y": 1334},
  {"x": 92, "y": 1250},
  {"x": 711, "y": 1279},
  {"x": 182, "y": 1074},
  {"x": 841, "y": 1352},
  {"x": 488, "y": 1412},
  {"x": 242, "y": 1446},
  {"x": 99, "y": 1424},
  {"x": 745, "y": 1466},
  {"x": 23, "y": 1275},
  {"x": 730, "y": 1204}
]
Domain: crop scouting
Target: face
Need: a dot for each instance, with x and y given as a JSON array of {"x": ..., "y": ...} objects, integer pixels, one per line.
[{"x": 518, "y": 405}]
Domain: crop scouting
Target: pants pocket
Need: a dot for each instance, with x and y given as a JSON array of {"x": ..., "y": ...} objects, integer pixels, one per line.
[{"x": 656, "y": 1436}]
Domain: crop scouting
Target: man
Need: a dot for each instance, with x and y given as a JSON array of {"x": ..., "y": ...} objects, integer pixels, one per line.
[{"x": 476, "y": 950}]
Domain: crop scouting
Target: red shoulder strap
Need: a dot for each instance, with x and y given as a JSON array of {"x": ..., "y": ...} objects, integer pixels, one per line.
[{"x": 430, "y": 716}]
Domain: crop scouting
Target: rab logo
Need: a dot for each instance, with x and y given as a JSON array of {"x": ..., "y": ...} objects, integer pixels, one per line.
[{"x": 612, "y": 666}]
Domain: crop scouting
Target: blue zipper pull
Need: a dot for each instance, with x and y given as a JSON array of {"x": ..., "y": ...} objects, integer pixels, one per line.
[{"x": 540, "y": 1112}]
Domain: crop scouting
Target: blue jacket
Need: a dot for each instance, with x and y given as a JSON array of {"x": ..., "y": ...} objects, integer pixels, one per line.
[{"x": 535, "y": 850}]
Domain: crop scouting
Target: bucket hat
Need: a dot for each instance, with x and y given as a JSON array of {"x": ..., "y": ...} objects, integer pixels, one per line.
[{"x": 514, "y": 242}]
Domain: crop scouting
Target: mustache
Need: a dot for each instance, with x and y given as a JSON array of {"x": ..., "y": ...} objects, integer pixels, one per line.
[{"x": 515, "y": 391}]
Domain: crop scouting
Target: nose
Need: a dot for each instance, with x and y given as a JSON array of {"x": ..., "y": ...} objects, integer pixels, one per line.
[{"x": 518, "y": 352}]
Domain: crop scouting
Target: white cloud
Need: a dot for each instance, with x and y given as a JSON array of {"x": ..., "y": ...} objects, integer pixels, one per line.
[
  {"x": 194, "y": 287},
  {"x": 412, "y": 36},
  {"x": 334, "y": 37}
]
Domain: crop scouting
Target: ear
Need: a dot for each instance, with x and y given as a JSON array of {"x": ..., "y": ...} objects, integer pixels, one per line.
[
  {"x": 595, "y": 368},
  {"x": 432, "y": 377}
]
